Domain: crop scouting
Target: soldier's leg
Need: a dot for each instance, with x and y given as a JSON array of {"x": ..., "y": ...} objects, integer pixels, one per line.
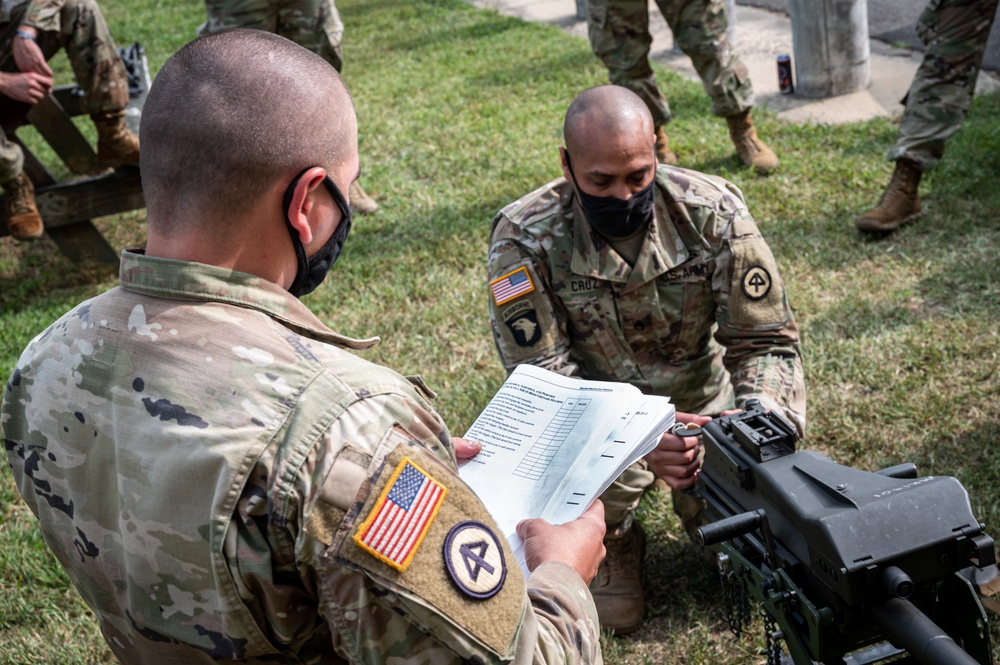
[
  {"x": 619, "y": 36},
  {"x": 98, "y": 68},
  {"x": 617, "y": 588},
  {"x": 225, "y": 14},
  {"x": 955, "y": 33},
  {"x": 23, "y": 220},
  {"x": 331, "y": 33},
  {"x": 700, "y": 29},
  {"x": 100, "y": 73}
]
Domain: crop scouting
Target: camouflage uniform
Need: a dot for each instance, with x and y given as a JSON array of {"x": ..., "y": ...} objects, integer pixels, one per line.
[
  {"x": 202, "y": 453},
  {"x": 312, "y": 24},
  {"x": 955, "y": 33},
  {"x": 619, "y": 36},
  {"x": 701, "y": 317},
  {"x": 79, "y": 27}
]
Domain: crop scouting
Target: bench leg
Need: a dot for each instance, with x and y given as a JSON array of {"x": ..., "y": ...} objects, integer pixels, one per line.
[{"x": 82, "y": 241}]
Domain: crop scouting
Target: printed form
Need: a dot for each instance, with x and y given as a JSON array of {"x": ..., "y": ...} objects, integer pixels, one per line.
[{"x": 552, "y": 444}]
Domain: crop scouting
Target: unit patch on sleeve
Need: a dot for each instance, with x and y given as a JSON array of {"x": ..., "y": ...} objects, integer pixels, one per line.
[
  {"x": 756, "y": 282},
  {"x": 522, "y": 319},
  {"x": 475, "y": 559},
  {"x": 401, "y": 517},
  {"x": 507, "y": 287},
  {"x": 756, "y": 297}
]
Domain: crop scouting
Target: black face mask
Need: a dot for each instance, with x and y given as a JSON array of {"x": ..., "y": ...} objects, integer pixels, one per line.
[
  {"x": 313, "y": 270},
  {"x": 614, "y": 218}
]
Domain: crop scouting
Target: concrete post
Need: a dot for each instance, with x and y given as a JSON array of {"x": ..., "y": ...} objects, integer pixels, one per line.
[{"x": 832, "y": 54}]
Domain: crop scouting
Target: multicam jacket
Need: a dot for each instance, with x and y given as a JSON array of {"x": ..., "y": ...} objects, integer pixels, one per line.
[
  {"x": 224, "y": 480},
  {"x": 701, "y": 317}
]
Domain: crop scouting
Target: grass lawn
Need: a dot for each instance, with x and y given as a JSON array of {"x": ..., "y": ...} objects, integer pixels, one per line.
[{"x": 460, "y": 113}]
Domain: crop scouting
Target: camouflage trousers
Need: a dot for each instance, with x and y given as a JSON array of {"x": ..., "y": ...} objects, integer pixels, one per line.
[
  {"x": 312, "y": 24},
  {"x": 619, "y": 36},
  {"x": 955, "y": 33},
  {"x": 78, "y": 26}
]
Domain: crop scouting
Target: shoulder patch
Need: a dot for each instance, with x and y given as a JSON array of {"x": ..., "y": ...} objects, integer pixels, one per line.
[
  {"x": 402, "y": 515},
  {"x": 475, "y": 560},
  {"x": 493, "y": 620},
  {"x": 512, "y": 285},
  {"x": 756, "y": 297}
]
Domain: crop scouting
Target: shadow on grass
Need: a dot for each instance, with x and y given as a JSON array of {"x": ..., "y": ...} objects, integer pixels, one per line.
[{"x": 36, "y": 272}]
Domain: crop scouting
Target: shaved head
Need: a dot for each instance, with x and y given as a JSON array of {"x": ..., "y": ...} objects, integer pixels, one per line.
[
  {"x": 602, "y": 113},
  {"x": 232, "y": 114}
]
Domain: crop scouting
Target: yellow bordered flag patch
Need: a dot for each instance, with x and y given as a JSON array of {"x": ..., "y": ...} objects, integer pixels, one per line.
[
  {"x": 401, "y": 517},
  {"x": 510, "y": 286}
]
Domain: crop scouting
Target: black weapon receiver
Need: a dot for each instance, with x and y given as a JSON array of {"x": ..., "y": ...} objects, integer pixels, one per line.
[{"x": 852, "y": 566}]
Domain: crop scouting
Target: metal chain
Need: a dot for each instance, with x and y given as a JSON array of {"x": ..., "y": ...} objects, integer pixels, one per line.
[
  {"x": 729, "y": 596},
  {"x": 771, "y": 648},
  {"x": 744, "y": 603},
  {"x": 736, "y": 600}
]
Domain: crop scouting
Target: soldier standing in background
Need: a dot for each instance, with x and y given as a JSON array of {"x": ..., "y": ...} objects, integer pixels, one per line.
[
  {"x": 955, "y": 33},
  {"x": 312, "y": 24},
  {"x": 619, "y": 36},
  {"x": 646, "y": 274},
  {"x": 31, "y": 32}
]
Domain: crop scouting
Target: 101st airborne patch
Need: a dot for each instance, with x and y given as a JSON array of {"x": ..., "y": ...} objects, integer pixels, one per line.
[{"x": 401, "y": 516}]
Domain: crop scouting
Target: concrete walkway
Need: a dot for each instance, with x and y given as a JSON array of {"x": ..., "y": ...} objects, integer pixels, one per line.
[{"x": 761, "y": 36}]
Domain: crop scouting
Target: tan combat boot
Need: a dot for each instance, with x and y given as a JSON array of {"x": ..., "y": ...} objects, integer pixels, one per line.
[
  {"x": 617, "y": 588},
  {"x": 23, "y": 220},
  {"x": 900, "y": 203},
  {"x": 663, "y": 151},
  {"x": 116, "y": 143},
  {"x": 360, "y": 201},
  {"x": 749, "y": 147}
]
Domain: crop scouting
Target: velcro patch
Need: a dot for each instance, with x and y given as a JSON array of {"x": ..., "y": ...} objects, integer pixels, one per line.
[
  {"x": 494, "y": 621},
  {"x": 402, "y": 515},
  {"x": 756, "y": 297},
  {"x": 512, "y": 285}
]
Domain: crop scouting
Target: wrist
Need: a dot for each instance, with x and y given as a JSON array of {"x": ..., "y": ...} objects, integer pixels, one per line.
[{"x": 24, "y": 34}]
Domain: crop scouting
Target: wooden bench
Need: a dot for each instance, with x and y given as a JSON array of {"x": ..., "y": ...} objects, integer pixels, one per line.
[{"x": 68, "y": 207}]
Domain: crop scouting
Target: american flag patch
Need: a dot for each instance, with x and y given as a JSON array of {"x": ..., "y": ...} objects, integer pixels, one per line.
[
  {"x": 401, "y": 517},
  {"x": 511, "y": 285}
]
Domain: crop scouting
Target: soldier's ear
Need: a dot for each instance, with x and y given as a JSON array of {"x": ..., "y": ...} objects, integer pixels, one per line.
[
  {"x": 564, "y": 160},
  {"x": 301, "y": 204}
]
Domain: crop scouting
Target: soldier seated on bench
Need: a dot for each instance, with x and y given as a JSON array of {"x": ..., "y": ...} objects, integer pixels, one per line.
[{"x": 31, "y": 32}]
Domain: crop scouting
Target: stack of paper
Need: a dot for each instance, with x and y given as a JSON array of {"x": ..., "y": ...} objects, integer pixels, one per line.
[{"x": 552, "y": 444}]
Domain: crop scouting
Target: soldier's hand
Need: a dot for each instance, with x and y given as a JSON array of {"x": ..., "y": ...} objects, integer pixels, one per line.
[
  {"x": 27, "y": 88},
  {"x": 28, "y": 55},
  {"x": 464, "y": 448},
  {"x": 579, "y": 544},
  {"x": 677, "y": 459}
]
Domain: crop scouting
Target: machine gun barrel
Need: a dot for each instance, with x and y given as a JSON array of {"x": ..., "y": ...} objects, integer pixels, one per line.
[{"x": 911, "y": 629}]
